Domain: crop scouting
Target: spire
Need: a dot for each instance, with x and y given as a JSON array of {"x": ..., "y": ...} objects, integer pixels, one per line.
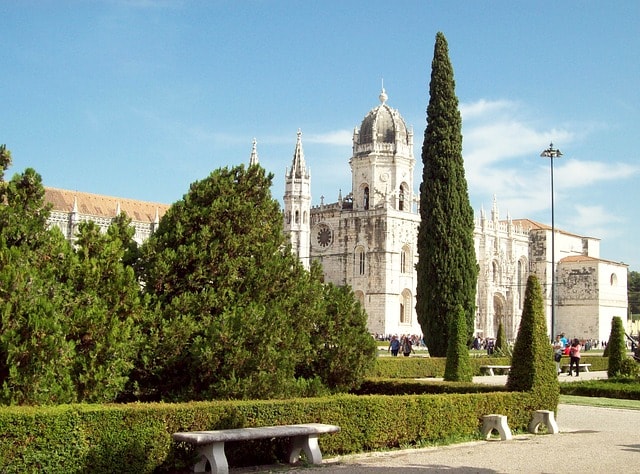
[
  {"x": 494, "y": 210},
  {"x": 298, "y": 166},
  {"x": 75, "y": 205},
  {"x": 117, "y": 208},
  {"x": 253, "y": 160}
]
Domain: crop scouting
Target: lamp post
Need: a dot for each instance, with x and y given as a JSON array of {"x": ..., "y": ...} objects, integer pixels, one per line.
[{"x": 552, "y": 153}]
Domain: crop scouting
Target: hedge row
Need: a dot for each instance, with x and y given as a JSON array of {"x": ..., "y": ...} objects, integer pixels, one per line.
[
  {"x": 627, "y": 389},
  {"x": 424, "y": 367},
  {"x": 136, "y": 438}
]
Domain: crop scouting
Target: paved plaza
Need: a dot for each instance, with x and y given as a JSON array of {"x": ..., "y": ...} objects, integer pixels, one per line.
[{"x": 591, "y": 439}]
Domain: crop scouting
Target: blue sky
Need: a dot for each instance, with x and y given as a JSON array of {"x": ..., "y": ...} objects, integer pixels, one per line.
[{"x": 139, "y": 98}]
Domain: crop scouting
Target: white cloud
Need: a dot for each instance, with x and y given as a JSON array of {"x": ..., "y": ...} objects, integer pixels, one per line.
[
  {"x": 576, "y": 173},
  {"x": 595, "y": 221}
]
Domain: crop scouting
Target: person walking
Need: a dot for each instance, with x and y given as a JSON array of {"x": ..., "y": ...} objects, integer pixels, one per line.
[
  {"x": 394, "y": 346},
  {"x": 406, "y": 346},
  {"x": 574, "y": 355},
  {"x": 558, "y": 349}
]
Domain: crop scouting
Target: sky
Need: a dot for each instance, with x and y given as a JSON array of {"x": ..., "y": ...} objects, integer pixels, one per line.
[{"x": 140, "y": 98}]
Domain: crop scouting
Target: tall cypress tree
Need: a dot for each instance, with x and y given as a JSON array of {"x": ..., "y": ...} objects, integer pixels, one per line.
[{"x": 447, "y": 268}]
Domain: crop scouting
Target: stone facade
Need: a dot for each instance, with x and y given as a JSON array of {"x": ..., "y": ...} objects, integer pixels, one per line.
[
  {"x": 368, "y": 240},
  {"x": 70, "y": 208}
]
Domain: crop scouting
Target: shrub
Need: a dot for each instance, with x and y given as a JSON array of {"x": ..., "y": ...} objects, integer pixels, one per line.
[
  {"x": 458, "y": 367},
  {"x": 616, "y": 347},
  {"x": 532, "y": 366}
]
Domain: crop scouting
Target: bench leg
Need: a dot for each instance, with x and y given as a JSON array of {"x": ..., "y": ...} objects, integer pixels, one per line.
[
  {"x": 214, "y": 453},
  {"x": 308, "y": 444},
  {"x": 545, "y": 417},
  {"x": 498, "y": 423}
]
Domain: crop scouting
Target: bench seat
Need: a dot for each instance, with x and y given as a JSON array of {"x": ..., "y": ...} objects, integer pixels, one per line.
[
  {"x": 492, "y": 369},
  {"x": 583, "y": 367},
  {"x": 210, "y": 444}
]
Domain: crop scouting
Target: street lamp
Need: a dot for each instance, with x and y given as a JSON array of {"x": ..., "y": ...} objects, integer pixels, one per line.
[{"x": 552, "y": 153}]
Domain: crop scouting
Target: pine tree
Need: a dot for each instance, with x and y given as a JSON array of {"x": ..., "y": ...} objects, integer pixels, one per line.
[
  {"x": 447, "y": 269},
  {"x": 458, "y": 365},
  {"x": 532, "y": 365},
  {"x": 237, "y": 315}
]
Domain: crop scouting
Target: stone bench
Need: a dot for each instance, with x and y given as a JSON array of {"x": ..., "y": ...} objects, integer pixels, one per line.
[
  {"x": 497, "y": 423},
  {"x": 543, "y": 417},
  {"x": 492, "y": 369},
  {"x": 210, "y": 444},
  {"x": 583, "y": 367}
]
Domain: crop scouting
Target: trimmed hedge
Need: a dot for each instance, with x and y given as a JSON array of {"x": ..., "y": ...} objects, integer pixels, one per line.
[
  {"x": 626, "y": 389},
  {"x": 426, "y": 367},
  {"x": 136, "y": 438}
]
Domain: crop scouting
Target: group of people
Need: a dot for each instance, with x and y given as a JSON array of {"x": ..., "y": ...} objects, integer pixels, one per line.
[
  {"x": 403, "y": 345},
  {"x": 562, "y": 346}
]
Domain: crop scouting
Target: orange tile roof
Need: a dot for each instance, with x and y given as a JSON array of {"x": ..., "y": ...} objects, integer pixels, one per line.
[{"x": 103, "y": 206}]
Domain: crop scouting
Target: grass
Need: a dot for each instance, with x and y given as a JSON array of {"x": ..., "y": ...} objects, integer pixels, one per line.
[{"x": 601, "y": 402}]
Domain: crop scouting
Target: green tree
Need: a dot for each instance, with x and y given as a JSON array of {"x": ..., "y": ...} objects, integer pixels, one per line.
[
  {"x": 35, "y": 355},
  {"x": 447, "y": 269},
  {"x": 107, "y": 312},
  {"x": 617, "y": 350},
  {"x": 633, "y": 292},
  {"x": 233, "y": 307},
  {"x": 532, "y": 365},
  {"x": 342, "y": 350},
  {"x": 501, "y": 340},
  {"x": 458, "y": 365}
]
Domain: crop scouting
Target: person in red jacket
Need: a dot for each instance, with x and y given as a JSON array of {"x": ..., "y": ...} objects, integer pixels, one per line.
[{"x": 574, "y": 354}]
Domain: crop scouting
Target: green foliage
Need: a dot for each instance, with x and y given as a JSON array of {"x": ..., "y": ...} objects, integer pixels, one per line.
[
  {"x": 68, "y": 319},
  {"x": 532, "y": 366},
  {"x": 617, "y": 350},
  {"x": 423, "y": 367},
  {"x": 501, "y": 340},
  {"x": 447, "y": 269},
  {"x": 236, "y": 314},
  {"x": 633, "y": 291},
  {"x": 458, "y": 368},
  {"x": 342, "y": 351},
  {"x": 107, "y": 314},
  {"x": 625, "y": 388},
  {"x": 136, "y": 438}
]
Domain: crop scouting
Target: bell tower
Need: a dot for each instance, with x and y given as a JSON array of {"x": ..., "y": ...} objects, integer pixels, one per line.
[
  {"x": 297, "y": 204},
  {"x": 382, "y": 163}
]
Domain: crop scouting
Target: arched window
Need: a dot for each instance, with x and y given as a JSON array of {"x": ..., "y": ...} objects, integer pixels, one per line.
[
  {"x": 359, "y": 261},
  {"x": 405, "y": 307},
  {"x": 288, "y": 217},
  {"x": 297, "y": 217},
  {"x": 405, "y": 260},
  {"x": 365, "y": 202},
  {"x": 360, "y": 297}
]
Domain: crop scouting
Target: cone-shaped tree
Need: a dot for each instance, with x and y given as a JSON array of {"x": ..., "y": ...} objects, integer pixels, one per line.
[
  {"x": 501, "y": 340},
  {"x": 616, "y": 346},
  {"x": 458, "y": 366},
  {"x": 532, "y": 366},
  {"x": 447, "y": 269}
]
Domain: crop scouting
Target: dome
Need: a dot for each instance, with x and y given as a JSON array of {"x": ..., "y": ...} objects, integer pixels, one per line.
[{"x": 383, "y": 125}]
